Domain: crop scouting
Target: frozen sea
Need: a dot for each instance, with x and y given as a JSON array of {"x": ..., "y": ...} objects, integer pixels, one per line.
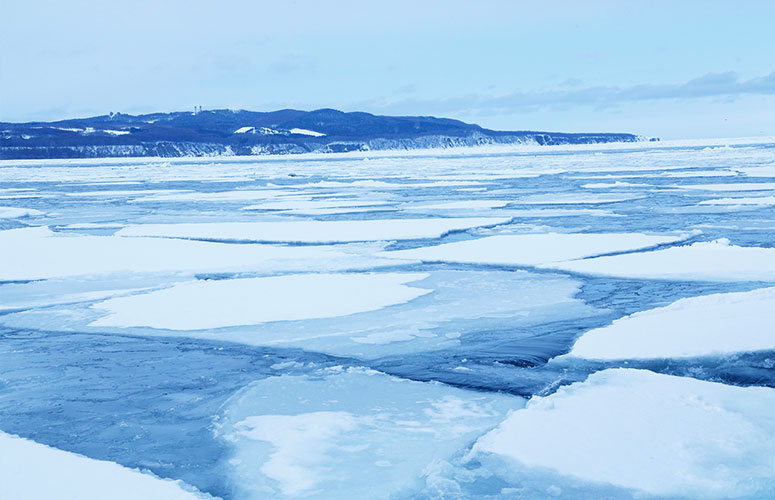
[{"x": 580, "y": 322}]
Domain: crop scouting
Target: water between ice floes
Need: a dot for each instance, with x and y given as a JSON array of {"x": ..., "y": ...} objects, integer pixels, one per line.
[{"x": 385, "y": 400}]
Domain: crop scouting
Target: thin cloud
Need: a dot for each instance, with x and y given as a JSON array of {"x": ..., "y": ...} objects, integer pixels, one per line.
[{"x": 709, "y": 85}]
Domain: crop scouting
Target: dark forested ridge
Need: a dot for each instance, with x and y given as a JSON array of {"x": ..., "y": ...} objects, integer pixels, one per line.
[{"x": 227, "y": 132}]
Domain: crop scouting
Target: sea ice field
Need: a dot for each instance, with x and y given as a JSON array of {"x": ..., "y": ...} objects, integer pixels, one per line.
[{"x": 581, "y": 322}]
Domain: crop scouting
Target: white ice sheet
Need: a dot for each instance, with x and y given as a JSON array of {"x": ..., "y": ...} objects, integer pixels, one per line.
[
  {"x": 32, "y": 471},
  {"x": 708, "y": 325},
  {"x": 709, "y": 261},
  {"x": 313, "y": 231},
  {"x": 38, "y": 253},
  {"x": 532, "y": 249},
  {"x": 200, "y": 305},
  {"x": 656, "y": 434}
]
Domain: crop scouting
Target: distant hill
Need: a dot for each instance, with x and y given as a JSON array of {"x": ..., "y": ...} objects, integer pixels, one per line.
[{"x": 227, "y": 132}]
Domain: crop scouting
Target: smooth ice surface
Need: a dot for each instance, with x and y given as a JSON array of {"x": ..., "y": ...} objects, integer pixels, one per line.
[
  {"x": 575, "y": 199},
  {"x": 349, "y": 433},
  {"x": 698, "y": 326},
  {"x": 737, "y": 186},
  {"x": 39, "y": 253},
  {"x": 461, "y": 205},
  {"x": 221, "y": 196},
  {"x": 313, "y": 231},
  {"x": 200, "y": 305},
  {"x": 32, "y": 471},
  {"x": 656, "y": 434},
  {"x": 711, "y": 260},
  {"x": 559, "y": 212},
  {"x": 313, "y": 206},
  {"x": 125, "y": 193},
  {"x": 761, "y": 200},
  {"x": 532, "y": 249},
  {"x": 14, "y": 213}
]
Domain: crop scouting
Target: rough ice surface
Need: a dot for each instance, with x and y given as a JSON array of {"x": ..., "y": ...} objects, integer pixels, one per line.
[
  {"x": 32, "y": 471},
  {"x": 698, "y": 326},
  {"x": 200, "y": 305},
  {"x": 360, "y": 325},
  {"x": 657, "y": 435},
  {"x": 348, "y": 433}
]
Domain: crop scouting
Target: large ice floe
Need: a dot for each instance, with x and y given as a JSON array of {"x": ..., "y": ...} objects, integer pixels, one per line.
[
  {"x": 313, "y": 231},
  {"x": 715, "y": 324},
  {"x": 576, "y": 198},
  {"x": 14, "y": 212},
  {"x": 248, "y": 301},
  {"x": 737, "y": 186},
  {"x": 716, "y": 260},
  {"x": 39, "y": 253},
  {"x": 654, "y": 435},
  {"x": 758, "y": 201},
  {"x": 348, "y": 433},
  {"x": 366, "y": 315},
  {"x": 32, "y": 471},
  {"x": 533, "y": 249}
]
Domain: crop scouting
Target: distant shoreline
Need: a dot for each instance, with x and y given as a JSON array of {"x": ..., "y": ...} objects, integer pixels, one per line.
[
  {"x": 490, "y": 149},
  {"x": 247, "y": 133}
]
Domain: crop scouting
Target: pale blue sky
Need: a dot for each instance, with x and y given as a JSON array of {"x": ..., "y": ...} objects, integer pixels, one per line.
[{"x": 668, "y": 69}]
